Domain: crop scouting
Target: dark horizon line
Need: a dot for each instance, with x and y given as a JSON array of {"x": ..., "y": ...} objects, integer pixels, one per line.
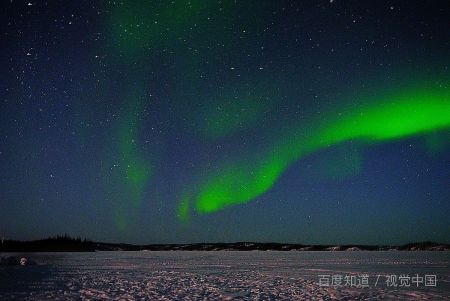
[
  {"x": 66, "y": 236},
  {"x": 67, "y": 243}
]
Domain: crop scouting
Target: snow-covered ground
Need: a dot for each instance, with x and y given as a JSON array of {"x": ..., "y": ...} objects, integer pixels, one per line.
[{"x": 254, "y": 275}]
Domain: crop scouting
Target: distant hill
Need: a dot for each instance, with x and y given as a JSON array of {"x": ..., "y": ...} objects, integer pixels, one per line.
[
  {"x": 68, "y": 244},
  {"x": 62, "y": 243}
]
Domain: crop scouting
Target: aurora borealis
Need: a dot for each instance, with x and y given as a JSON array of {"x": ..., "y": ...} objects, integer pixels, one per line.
[
  {"x": 404, "y": 115},
  {"x": 194, "y": 121}
]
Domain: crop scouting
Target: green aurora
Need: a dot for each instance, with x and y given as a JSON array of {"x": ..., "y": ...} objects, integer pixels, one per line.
[
  {"x": 393, "y": 117},
  {"x": 137, "y": 170},
  {"x": 400, "y": 115},
  {"x": 134, "y": 170}
]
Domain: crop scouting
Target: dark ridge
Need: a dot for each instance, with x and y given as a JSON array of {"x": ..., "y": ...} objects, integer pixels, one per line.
[
  {"x": 65, "y": 243},
  {"x": 60, "y": 243}
]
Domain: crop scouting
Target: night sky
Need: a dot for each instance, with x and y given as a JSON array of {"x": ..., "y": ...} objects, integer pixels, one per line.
[{"x": 316, "y": 122}]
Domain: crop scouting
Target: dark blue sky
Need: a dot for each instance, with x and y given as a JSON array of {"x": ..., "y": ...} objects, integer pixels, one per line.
[{"x": 111, "y": 112}]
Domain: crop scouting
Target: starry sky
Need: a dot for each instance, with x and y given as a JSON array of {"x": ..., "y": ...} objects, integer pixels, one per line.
[{"x": 316, "y": 122}]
